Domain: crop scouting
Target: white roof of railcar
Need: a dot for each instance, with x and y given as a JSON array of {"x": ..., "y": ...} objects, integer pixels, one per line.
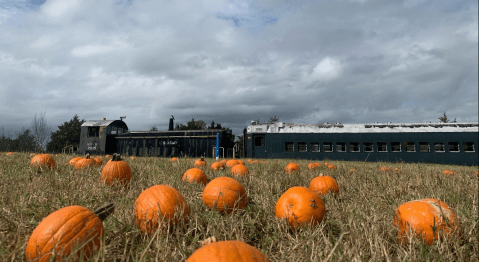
[{"x": 280, "y": 127}]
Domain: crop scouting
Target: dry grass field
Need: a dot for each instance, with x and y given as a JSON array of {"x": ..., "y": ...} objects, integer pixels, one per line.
[{"x": 358, "y": 225}]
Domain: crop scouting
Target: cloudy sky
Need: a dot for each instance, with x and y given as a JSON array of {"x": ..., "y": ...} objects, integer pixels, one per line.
[{"x": 233, "y": 61}]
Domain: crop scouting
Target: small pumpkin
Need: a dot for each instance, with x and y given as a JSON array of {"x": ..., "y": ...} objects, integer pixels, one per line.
[
  {"x": 239, "y": 170},
  {"x": 98, "y": 161},
  {"x": 385, "y": 168},
  {"x": 160, "y": 206},
  {"x": 324, "y": 184},
  {"x": 195, "y": 175},
  {"x": 397, "y": 169},
  {"x": 217, "y": 166},
  {"x": 85, "y": 162},
  {"x": 173, "y": 159},
  {"x": 332, "y": 167},
  {"x": 43, "y": 160},
  {"x": 314, "y": 165},
  {"x": 132, "y": 157},
  {"x": 116, "y": 171},
  {"x": 107, "y": 156},
  {"x": 291, "y": 168},
  {"x": 424, "y": 219},
  {"x": 65, "y": 230},
  {"x": 352, "y": 170},
  {"x": 300, "y": 206},
  {"x": 240, "y": 161},
  {"x": 449, "y": 172},
  {"x": 224, "y": 161},
  {"x": 199, "y": 162},
  {"x": 10, "y": 153},
  {"x": 224, "y": 194},
  {"x": 231, "y": 163},
  {"x": 230, "y": 250},
  {"x": 74, "y": 160}
]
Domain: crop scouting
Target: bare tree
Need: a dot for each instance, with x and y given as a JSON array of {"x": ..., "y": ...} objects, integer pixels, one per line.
[{"x": 40, "y": 132}]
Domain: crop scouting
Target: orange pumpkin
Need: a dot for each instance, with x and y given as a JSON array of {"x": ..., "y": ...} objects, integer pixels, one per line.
[
  {"x": 43, "y": 160},
  {"x": 240, "y": 161},
  {"x": 476, "y": 172},
  {"x": 224, "y": 161},
  {"x": 199, "y": 162},
  {"x": 85, "y": 162},
  {"x": 331, "y": 166},
  {"x": 324, "y": 184},
  {"x": 255, "y": 162},
  {"x": 250, "y": 160},
  {"x": 116, "y": 171},
  {"x": 217, "y": 166},
  {"x": 239, "y": 170},
  {"x": 314, "y": 165},
  {"x": 10, "y": 153},
  {"x": 107, "y": 156},
  {"x": 160, "y": 206},
  {"x": 231, "y": 163},
  {"x": 396, "y": 169},
  {"x": 173, "y": 159},
  {"x": 65, "y": 230},
  {"x": 224, "y": 194},
  {"x": 385, "y": 168},
  {"x": 352, "y": 170},
  {"x": 291, "y": 167},
  {"x": 73, "y": 161},
  {"x": 195, "y": 175},
  {"x": 98, "y": 161},
  {"x": 230, "y": 250},
  {"x": 449, "y": 172},
  {"x": 300, "y": 206},
  {"x": 424, "y": 219}
]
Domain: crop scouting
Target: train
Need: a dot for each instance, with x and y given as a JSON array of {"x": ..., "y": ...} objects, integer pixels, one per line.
[{"x": 441, "y": 143}]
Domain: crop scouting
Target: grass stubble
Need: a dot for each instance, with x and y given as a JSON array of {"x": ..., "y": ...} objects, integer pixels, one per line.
[{"x": 358, "y": 225}]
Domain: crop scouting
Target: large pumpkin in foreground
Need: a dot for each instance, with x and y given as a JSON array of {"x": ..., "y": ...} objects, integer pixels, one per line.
[
  {"x": 300, "y": 206},
  {"x": 224, "y": 194},
  {"x": 43, "y": 160},
  {"x": 230, "y": 250},
  {"x": 160, "y": 205},
  {"x": 425, "y": 218},
  {"x": 67, "y": 230},
  {"x": 116, "y": 171}
]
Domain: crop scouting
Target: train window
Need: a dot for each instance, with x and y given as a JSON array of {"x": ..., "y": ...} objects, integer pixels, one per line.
[
  {"x": 314, "y": 147},
  {"x": 340, "y": 147},
  {"x": 113, "y": 130},
  {"x": 328, "y": 147},
  {"x": 259, "y": 141},
  {"x": 396, "y": 146},
  {"x": 410, "y": 146},
  {"x": 382, "y": 147},
  {"x": 302, "y": 147},
  {"x": 288, "y": 146},
  {"x": 469, "y": 147},
  {"x": 439, "y": 147},
  {"x": 453, "y": 146},
  {"x": 93, "y": 131},
  {"x": 354, "y": 146},
  {"x": 424, "y": 147},
  {"x": 368, "y": 147}
]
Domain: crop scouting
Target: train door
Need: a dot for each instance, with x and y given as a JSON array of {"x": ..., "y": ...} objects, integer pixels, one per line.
[{"x": 259, "y": 146}]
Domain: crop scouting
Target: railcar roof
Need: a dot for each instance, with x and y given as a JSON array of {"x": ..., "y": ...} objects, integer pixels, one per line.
[{"x": 280, "y": 127}]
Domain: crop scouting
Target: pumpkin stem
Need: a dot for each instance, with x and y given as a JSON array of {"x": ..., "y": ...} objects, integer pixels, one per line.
[
  {"x": 104, "y": 211},
  {"x": 116, "y": 157},
  {"x": 87, "y": 156},
  {"x": 202, "y": 159}
]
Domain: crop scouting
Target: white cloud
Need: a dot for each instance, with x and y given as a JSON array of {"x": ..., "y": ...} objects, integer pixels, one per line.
[
  {"x": 61, "y": 9},
  {"x": 328, "y": 68},
  {"x": 98, "y": 49}
]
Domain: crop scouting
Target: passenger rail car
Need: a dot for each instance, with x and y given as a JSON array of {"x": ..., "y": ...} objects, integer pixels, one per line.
[{"x": 442, "y": 143}]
